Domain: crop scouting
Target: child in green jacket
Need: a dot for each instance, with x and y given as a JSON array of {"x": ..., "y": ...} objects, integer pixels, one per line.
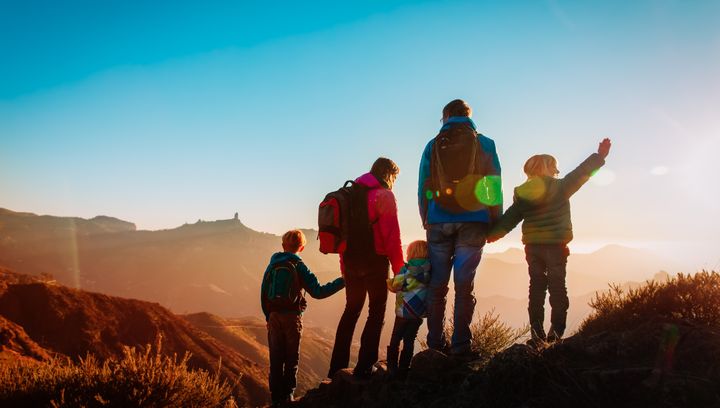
[{"x": 543, "y": 202}]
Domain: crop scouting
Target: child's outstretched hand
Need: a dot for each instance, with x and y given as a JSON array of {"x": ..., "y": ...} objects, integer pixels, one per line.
[{"x": 604, "y": 148}]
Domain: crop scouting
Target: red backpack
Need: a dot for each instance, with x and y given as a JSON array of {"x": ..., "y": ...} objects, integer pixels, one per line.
[{"x": 343, "y": 217}]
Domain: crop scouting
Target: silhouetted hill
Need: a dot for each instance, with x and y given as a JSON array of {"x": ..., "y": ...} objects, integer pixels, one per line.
[
  {"x": 211, "y": 266},
  {"x": 73, "y": 323},
  {"x": 15, "y": 343}
]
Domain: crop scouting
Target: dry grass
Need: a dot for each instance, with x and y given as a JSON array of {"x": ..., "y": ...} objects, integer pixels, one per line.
[
  {"x": 138, "y": 379},
  {"x": 490, "y": 335},
  {"x": 686, "y": 298}
]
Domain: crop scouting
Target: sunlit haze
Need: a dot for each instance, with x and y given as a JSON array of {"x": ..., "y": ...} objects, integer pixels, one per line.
[{"x": 166, "y": 113}]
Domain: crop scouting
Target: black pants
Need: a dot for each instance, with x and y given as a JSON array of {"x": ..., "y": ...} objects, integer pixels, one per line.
[
  {"x": 546, "y": 266},
  {"x": 284, "y": 330},
  {"x": 358, "y": 285},
  {"x": 404, "y": 330}
]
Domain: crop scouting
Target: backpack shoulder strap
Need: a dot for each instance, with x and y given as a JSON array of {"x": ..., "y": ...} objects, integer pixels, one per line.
[{"x": 296, "y": 275}]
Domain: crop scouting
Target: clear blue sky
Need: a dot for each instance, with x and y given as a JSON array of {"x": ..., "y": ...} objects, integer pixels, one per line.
[{"x": 166, "y": 112}]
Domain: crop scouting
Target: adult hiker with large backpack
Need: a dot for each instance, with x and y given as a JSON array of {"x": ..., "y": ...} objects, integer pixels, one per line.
[
  {"x": 460, "y": 196},
  {"x": 367, "y": 213},
  {"x": 282, "y": 299}
]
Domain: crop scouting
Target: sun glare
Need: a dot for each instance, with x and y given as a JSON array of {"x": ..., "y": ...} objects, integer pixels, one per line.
[
  {"x": 603, "y": 177},
  {"x": 659, "y": 170}
]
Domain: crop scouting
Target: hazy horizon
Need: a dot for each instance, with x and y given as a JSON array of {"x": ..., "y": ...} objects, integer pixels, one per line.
[{"x": 687, "y": 257}]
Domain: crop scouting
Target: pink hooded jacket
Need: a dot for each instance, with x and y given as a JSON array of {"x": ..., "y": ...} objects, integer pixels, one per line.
[{"x": 382, "y": 211}]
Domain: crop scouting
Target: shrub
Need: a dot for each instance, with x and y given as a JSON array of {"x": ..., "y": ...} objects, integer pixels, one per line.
[
  {"x": 138, "y": 379},
  {"x": 688, "y": 298},
  {"x": 490, "y": 335}
]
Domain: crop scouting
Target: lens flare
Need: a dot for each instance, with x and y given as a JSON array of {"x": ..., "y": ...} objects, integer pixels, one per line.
[
  {"x": 73, "y": 253},
  {"x": 532, "y": 190},
  {"x": 659, "y": 170},
  {"x": 488, "y": 190},
  {"x": 603, "y": 177}
]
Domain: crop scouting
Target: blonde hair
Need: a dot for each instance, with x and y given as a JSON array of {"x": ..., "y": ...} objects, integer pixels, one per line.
[
  {"x": 417, "y": 249},
  {"x": 293, "y": 240},
  {"x": 541, "y": 165}
]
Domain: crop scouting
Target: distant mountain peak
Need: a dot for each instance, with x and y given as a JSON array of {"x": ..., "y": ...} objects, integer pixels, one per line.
[{"x": 232, "y": 223}]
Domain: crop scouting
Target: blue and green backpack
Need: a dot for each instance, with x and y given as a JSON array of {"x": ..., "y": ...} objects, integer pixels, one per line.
[{"x": 283, "y": 291}]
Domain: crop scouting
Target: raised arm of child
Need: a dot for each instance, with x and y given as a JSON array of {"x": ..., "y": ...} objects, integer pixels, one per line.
[{"x": 572, "y": 182}]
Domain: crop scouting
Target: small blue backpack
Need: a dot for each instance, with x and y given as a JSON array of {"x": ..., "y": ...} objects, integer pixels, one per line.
[{"x": 283, "y": 291}]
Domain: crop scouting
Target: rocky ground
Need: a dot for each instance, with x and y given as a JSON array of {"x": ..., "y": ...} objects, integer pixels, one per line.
[{"x": 659, "y": 363}]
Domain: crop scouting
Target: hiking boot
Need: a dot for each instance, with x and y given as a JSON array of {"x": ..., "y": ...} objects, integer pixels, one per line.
[
  {"x": 464, "y": 353},
  {"x": 445, "y": 348},
  {"x": 365, "y": 374},
  {"x": 536, "y": 343},
  {"x": 392, "y": 360}
]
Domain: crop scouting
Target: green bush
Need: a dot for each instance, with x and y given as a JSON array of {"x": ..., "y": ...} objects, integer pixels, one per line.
[
  {"x": 684, "y": 298},
  {"x": 138, "y": 379}
]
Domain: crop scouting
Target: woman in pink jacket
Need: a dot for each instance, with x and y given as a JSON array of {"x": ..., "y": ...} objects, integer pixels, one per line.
[{"x": 365, "y": 268}]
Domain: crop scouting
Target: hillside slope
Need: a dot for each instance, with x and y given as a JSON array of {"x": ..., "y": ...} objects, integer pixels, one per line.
[
  {"x": 206, "y": 266},
  {"x": 72, "y": 322}
]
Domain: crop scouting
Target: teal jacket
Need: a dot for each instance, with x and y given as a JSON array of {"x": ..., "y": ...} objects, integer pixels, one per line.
[
  {"x": 308, "y": 281},
  {"x": 544, "y": 204},
  {"x": 430, "y": 213}
]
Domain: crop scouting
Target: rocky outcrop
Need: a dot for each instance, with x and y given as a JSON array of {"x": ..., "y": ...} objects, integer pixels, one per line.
[{"x": 656, "y": 364}]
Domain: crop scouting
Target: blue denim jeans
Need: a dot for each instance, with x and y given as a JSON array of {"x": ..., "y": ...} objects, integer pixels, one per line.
[{"x": 457, "y": 247}]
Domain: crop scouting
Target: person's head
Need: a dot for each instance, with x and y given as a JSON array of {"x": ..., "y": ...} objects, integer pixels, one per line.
[
  {"x": 417, "y": 249},
  {"x": 541, "y": 165},
  {"x": 293, "y": 241},
  {"x": 386, "y": 171},
  {"x": 457, "y": 107}
]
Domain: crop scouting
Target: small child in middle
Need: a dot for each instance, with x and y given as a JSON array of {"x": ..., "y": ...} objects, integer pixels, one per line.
[{"x": 410, "y": 287}]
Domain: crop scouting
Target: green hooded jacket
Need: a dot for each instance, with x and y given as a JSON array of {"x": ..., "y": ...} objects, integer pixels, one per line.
[{"x": 544, "y": 205}]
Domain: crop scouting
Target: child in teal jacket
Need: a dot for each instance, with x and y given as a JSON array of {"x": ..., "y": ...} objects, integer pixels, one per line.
[{"x": 283, "y": 302}]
